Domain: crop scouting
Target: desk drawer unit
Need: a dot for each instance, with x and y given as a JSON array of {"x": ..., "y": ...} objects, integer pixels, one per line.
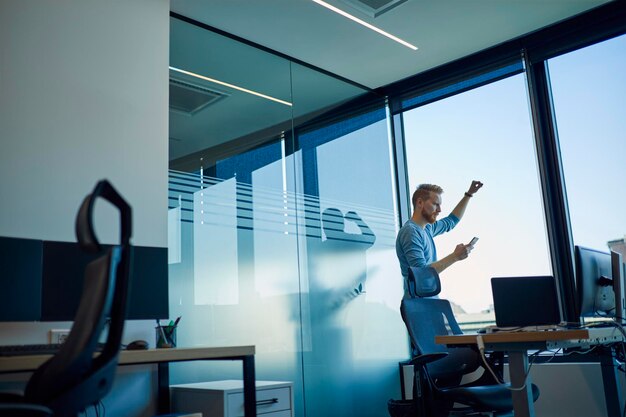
[{"x": 225, "y": 398}]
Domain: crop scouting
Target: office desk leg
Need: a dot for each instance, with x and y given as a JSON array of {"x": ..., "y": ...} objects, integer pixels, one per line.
[
  {"x": 249, "y": 387},
  {"x": 163, "y": 389},
  {"x": 522, "y": 400},
  {"x": 610, "y": 381}
]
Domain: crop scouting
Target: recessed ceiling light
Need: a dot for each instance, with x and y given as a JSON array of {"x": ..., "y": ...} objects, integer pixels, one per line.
[
  {"x": 367, "y": 25},
  {"x": 235, "y": 87}
]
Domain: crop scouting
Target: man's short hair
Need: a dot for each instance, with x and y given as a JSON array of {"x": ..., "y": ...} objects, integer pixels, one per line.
[{"x": 423, "y": 191}]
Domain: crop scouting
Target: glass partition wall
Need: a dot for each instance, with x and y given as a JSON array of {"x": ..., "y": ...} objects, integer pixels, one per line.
[
  {"x": 282, "y": 225},
  {"x": 285, "y": 199}
]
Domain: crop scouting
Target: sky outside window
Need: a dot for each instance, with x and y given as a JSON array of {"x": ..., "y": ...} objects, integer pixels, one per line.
[
  {"x": 589, "y": 95},
  {"x": 483, "y": 134}
]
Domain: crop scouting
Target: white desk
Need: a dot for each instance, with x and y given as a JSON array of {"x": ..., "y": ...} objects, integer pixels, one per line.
[{"x": 162, "y": 358}]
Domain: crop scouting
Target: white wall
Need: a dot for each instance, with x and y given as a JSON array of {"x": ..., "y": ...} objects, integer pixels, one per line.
[{"x": 83, "y": 96}]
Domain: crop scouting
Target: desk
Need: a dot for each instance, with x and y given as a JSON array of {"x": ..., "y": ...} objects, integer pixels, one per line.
[
  {"x": 162, "y": 358},
  {"x": 517, "y": 344}
]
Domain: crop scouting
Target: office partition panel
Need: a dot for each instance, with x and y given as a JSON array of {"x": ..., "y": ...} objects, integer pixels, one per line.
[
  {"x": 354, "y": 336},
  {"x": 240, "y": 209}
]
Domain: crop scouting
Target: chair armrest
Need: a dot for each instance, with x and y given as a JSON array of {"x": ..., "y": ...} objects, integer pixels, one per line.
[
  {"x": 422, "y": 360},
  {"x": 24, "y": 410}
]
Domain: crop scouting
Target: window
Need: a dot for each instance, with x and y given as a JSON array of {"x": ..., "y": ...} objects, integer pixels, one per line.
[
  {"x": 483, "y": 134},
  {"x": 589, "y": 95}
]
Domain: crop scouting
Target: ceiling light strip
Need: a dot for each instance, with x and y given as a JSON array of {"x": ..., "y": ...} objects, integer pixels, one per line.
[
  {"x": 367, "y": 25},
  {"x": 235, "y": 87}
]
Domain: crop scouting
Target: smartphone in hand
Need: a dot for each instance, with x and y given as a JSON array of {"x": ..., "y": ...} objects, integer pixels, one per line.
[{"x": 473, "y": 241}]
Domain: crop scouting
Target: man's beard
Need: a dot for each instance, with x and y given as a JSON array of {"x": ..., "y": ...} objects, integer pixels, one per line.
[{"x": 430, "y": 218}]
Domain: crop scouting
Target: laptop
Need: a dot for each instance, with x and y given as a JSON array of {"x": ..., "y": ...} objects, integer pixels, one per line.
[{"x": 525, "y": 301}]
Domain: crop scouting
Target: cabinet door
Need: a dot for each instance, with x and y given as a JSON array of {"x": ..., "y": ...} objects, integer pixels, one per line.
[{"x": 268, "y": 401}]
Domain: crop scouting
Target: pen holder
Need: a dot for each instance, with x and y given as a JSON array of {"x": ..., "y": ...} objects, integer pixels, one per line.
[{"x": 165, "y": 337}]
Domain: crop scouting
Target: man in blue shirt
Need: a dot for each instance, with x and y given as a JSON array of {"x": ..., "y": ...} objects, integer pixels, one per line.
[{"x": 415, "y": 246}]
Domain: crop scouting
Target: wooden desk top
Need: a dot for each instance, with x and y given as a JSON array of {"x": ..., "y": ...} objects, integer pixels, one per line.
[
  {"x": 28, "y": 363},
  {"x": 514, "y": 337}
]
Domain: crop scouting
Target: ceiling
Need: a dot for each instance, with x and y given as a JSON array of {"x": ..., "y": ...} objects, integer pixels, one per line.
[{"x": 443, "y": 30}]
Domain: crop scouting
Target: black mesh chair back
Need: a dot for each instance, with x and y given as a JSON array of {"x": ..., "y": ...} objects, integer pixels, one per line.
[{"x": 75, "y": 377}]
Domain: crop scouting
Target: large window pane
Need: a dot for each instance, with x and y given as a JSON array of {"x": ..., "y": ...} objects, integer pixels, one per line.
[
  {"x": 483, "y": 134},
  {"x": 589, "y": 94}
]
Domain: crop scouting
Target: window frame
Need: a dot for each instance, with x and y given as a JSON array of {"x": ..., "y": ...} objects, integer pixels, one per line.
[{"x": 600, "y": 24}]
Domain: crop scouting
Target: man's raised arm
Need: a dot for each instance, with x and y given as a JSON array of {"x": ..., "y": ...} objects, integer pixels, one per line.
[{"x": 459, "y": 210}]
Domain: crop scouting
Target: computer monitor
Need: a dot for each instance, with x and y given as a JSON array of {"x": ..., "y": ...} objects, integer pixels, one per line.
[
  {"x": 618, "y": 275},
  {"x": 62, "y": 282},
  {"x": 20, "y": 277},
  {"x": 594, "y": 283},
  {"x": 43, "y": 280}
]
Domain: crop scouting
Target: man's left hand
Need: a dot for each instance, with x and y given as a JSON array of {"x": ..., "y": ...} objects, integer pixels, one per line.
[{"x": 476, "y": 185}]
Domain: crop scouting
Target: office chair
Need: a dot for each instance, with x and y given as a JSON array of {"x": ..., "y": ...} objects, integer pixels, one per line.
[
  {"x": 437, "y": 388},
  {"x": 74, "y": 378}
]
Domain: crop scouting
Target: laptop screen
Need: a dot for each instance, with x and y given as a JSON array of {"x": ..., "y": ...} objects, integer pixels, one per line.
[{"x": 525, "y": 301}]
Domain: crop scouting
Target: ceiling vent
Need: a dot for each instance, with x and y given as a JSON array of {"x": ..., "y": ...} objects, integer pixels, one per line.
[
  {"x": 373, "y": 8},
  {"x": 189, "y": 99}
]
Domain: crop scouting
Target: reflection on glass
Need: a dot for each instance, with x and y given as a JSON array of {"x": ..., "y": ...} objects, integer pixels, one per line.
[
  {"x": 353, "y": 336},
  {"x": 233, "y": 118},
  {"x": 589, "y": 95},
  {"x": 341, "y": 255},
  {"x": 237, "y": 280},
  {"x": 483, "y": 134},
  {"x": 251, "y": 228},
  {"x": 215, "y": 244},
  {"x": 274, "y": 221},
  {"x": 174, "y": 218}
]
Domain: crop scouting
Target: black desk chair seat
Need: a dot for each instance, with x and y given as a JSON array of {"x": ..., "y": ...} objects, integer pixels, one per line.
[
  {"x": 75, "y": 378},
  {"x": 437, "y": 387}
]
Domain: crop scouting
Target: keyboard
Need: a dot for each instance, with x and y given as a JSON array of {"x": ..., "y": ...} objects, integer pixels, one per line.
[{"x": 35, "y": 349}]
